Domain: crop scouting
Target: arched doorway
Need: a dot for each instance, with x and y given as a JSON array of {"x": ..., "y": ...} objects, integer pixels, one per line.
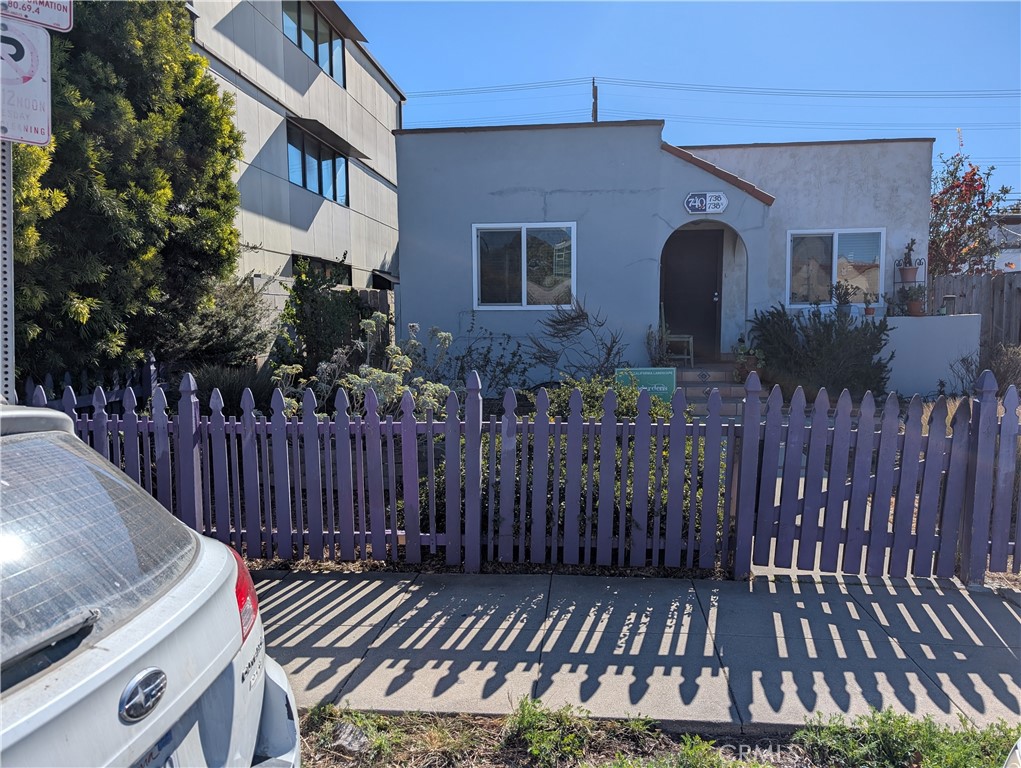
[{"x": 691, "y": 286}]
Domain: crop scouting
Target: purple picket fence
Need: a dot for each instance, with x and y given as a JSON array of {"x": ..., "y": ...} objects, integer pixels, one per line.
[{"x": 800, "y": 486}]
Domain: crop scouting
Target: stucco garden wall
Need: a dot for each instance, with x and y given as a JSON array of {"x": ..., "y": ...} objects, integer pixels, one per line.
[{"x": 925, "y": 348}]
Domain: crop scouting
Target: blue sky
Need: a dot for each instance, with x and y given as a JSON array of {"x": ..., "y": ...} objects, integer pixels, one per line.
[{"x": 943, "y": 58}]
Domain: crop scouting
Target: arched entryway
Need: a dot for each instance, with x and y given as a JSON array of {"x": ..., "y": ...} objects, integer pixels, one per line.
[{"x": 703, "y": 271}]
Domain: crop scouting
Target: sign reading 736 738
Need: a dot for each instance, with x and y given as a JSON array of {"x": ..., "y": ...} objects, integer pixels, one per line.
[{"x": 705, "y": 202}]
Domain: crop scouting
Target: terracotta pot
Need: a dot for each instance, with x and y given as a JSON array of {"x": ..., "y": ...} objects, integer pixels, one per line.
[
  {"x": 870, "y": 311},
  {"x": 915, "y": 308},
  {"x": 908, "y": 274}
]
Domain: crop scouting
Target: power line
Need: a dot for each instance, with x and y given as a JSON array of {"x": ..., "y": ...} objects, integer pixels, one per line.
[
  {"x": 497, "y": 88},
  {"x": 969, "y": 94},
  {"x": 819, "y": 125},
  {"x": 699, "y": 88}
]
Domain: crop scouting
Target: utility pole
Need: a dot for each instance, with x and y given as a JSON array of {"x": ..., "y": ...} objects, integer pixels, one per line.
[{"x": 595, "y": 101}]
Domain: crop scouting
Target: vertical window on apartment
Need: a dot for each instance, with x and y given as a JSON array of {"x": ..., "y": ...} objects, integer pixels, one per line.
[
  {"x": 811, "y": 268},
  {"x": 323, "y": 47},
  {"x": 291, "y": 20},
  {"x": 337, "y": 57},
  {"x": 308, "y": 30},
  {"x": 294, "y": 156},
  {"x": 340, "y": 174},
  {"x": 312, "y": 165},
  {"x": 326, "y": 156}
]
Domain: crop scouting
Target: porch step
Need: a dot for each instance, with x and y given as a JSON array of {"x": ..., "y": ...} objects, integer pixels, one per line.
[
  {"x": 730, "y": 407},
  {"x": 703, "y": 373}
]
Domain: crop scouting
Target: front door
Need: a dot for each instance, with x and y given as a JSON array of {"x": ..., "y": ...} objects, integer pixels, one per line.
[{"x": 691, "y": 278}]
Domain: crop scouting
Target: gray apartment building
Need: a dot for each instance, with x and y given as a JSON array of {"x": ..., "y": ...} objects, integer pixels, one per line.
[{"x": 319, "y": 173}]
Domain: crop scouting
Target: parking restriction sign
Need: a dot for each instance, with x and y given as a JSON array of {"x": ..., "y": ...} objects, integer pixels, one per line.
[
  {"x": 25, "y": 76},
  {"x": 52, "y": 14}
]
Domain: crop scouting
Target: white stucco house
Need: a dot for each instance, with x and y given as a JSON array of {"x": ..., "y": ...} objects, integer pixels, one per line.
[{"x": 505, "y": 222}]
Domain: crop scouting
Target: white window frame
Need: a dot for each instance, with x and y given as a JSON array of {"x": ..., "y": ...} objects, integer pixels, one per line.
[
  {"x": 792, "y": 233},
  {"x": 524, "y": 305}
]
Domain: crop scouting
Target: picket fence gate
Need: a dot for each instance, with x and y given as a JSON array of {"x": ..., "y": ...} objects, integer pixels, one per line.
[{"x": 850, "y": 489}]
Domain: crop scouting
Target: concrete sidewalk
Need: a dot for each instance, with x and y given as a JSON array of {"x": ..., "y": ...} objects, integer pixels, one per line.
[{"x": 716, "y": 655}]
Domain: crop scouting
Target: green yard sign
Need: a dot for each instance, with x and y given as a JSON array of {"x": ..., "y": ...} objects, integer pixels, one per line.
[{"x": 658, "y": 382}]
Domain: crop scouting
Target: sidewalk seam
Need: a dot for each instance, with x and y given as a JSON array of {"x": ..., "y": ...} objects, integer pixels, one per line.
[
  {"x": 368, "y": 647},
  {"x": 719, "y": 657},
  {"x": 542, "y": 639}
]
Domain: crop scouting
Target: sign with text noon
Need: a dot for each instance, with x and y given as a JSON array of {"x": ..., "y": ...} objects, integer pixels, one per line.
[
  {"x": 25, "y": 75},
  {"x": 658, "y": 382}
]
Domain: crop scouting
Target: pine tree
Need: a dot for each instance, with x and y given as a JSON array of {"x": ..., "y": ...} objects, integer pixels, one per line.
[{"x": 124, "y": 223}]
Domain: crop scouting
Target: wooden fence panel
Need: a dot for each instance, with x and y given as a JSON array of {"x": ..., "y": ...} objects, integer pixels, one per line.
[
  {"x": 220, "y": 478},
  {"x": 747, "y": 479},
  {"x": 929, "y": 499},
  {"x": 675, "y": 481},
  {"x": 132, "y": 432},
  {"x": 374, "y": 476},
  {"x": 766, "y": 518},
  {"x": 1004, "y": 499},
  {"x": 886, "y": 470},
  {"x": 953, "y": 498},
  {"x": 161, "y": 450},
  {"x": 641, "y": 492},
  {"x": 814, "y": 471},
  {"x": 905, "y": 508},
  {"x": 857, "y": 506},
  {"x": 572, "y": 488},
  {"x": 508, "y": 464},
  {"x": 281, "y": 473},
  {"x": 452, "y": 472},
  {"x": 472, "y": 475},
  {"x": 607, "y": 467},
  {"x": 996, "y": 297},
  {"x": 540, "y": 478},
  {"x": 707, "y": 544},
  {"x": 313, "y": 475},
  {"x": 836, "y": 484},
  {"x": 409, "y": 467},
  {"x": 790, "y": 487},
  {"x": 250, "y": 463}
]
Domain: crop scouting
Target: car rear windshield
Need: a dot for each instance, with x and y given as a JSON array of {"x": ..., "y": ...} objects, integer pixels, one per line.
[{"x": 79, "y": 541}]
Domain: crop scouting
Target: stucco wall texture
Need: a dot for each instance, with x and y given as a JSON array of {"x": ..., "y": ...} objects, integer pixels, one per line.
[{"x": 626, "y": 194}]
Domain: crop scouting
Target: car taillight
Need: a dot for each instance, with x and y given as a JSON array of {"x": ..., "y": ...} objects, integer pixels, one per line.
[{"x": 248, "y": 601}]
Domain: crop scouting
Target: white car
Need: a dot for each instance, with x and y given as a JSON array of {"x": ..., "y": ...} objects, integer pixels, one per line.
[{"x": 127, "y": 639}]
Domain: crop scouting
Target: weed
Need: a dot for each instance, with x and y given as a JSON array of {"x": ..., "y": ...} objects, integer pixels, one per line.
[
  {"x": 891, "y": 740},
  {"x": 552, "y": 737}
]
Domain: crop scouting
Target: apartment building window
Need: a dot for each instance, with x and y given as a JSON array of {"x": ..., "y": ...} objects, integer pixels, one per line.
[
  {"x": 309, "y": 30},
  {"x": 316, "y": 166}
]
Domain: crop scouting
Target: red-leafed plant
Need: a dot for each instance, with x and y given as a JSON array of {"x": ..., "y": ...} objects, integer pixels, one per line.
[{"x": 964, "y": 206}]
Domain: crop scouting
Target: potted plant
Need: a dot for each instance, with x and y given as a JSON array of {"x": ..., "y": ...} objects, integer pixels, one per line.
[
  {"x": 908, "y": 266},
  {"x": 842, "y": 294},
  {"x": 868, "y": 299},
  {"x": 913, "y": 297},
  {"x": 746, "y": 360}
]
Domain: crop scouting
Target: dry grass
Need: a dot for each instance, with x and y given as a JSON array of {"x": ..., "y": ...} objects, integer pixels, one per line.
[{"x": 418, "y": 740}]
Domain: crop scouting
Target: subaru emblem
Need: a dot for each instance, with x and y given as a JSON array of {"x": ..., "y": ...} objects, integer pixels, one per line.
[{"x": 142, "y": 694}]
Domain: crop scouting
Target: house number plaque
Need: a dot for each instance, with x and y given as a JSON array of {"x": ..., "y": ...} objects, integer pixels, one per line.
[{"x": 705, "y": 202}]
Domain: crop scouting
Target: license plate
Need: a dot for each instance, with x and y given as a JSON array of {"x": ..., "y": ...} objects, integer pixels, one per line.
[{"x": 161, "y": 755}]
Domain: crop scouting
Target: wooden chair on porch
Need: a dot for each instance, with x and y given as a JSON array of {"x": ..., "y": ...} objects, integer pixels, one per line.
[{"x": 686, "y": 341}]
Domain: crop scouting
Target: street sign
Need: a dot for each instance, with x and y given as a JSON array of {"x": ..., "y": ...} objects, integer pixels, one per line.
[
  {"x": 25, "y": 75},
  {"x": 658, "y": 382},
  {"x": 52, "y": 14},
  {"x": 706, "y": 202}
]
